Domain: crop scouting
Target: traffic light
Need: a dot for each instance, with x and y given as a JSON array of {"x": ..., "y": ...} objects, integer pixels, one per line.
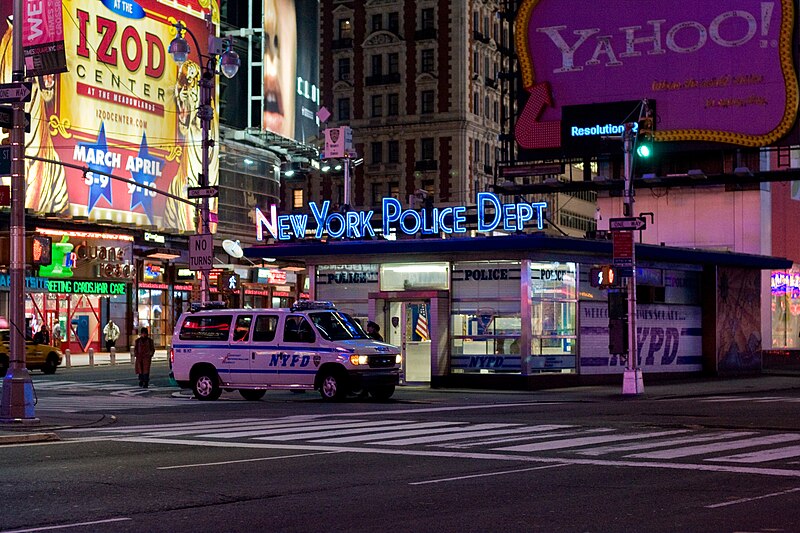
[
  {"x": 644, "y": 134},
  {"x": 604, "y": 276}
]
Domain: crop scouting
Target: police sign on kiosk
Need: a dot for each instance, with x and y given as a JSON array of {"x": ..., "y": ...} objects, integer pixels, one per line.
[{"x": 201, "y": 252}]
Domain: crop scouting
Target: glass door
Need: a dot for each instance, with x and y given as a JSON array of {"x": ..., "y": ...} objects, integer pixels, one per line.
[{"x": 409, "y": 328}]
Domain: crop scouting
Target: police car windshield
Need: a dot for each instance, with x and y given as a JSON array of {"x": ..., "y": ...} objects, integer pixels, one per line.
[{"x": 336, "y": 326}]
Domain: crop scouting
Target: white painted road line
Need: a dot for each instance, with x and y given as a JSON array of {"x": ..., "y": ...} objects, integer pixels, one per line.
[
  {"x": 64, "y": 526},
  {"x": 746, "y": 500},
  {"x": 256, "y": 459},
  {"x": 351, "y": 429},
  {"x": 425, "y": 428},
  {"x": 761, "y": 456},
  {"x": 529, "y": 437},
  {"x": 248, "y": 430},
  {"x": 603, "y": 450},
  {"x": 488, "y": 474},
  {"x": 583, "y": 441},
  {"x": 477, "y": 430},
  {"x": 717, "y": 447}
]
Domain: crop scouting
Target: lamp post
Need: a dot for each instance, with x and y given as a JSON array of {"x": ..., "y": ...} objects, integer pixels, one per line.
[
  {"x": 17, "y": 403},
  {"x": 220, "y": 59}
]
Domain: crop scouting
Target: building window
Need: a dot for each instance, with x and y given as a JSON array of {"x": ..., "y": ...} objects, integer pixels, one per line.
[
  {"x": 345, "y": 29},
  {"x": 394, "y": 190},
  {"x": 476, "y": 103},
  {"x": 427, "y": 60},
  {"x": 377, "y": 65},
  {"x": 427, "y": 148},
  {"x": 297, "y": 199},
  {"x": 377, "y": 22},
  {"x": 394, "y": 63},
  {"x": 394, "y": 22},
  {"x": 344, "y": 108},
  {"x": 427, "y": 18},
  {"x": 344, "y": 68},
  {"x": 487, "y": 154},
  {"x": 476, "y": 154},
  {"x": 486, "y": 108},
  {"x": 377, "y": 152},
  {"x": 393, "y": 104},
  {"x": 427, "y": 102},
  {"x": 377, "y": 193},
  {"x": 377, "y": 105},
  {"x": 476, "y": 63},
  {"x": 394, "y": 151}
]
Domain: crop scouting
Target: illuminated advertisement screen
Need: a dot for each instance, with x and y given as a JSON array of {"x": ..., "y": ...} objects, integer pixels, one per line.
[
  {"x": 291, "y": 68},
  {"x": 719, "y": 71},
  {"x": 125, "y": 107}
]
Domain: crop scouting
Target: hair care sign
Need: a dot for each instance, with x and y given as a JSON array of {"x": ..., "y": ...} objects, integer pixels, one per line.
[{"x": 718, "y": 71}]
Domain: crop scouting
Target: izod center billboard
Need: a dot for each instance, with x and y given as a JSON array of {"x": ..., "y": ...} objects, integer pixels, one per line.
[{"x": 124, "y": 107}]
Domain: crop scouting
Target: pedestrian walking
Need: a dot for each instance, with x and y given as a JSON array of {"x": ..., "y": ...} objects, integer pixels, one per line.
[{"x": 143, "y": 351}]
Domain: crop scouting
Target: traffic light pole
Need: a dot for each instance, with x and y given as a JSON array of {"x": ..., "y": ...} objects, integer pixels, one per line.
[
  {"x": 632, "y": 382},
  {"x": 17, "y": 404}
]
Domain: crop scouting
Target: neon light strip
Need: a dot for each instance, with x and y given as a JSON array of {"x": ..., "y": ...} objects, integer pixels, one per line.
[{"x": 85, "y": 235}]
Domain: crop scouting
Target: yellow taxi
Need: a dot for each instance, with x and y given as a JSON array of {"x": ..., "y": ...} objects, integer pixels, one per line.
[{"x": 38, "y": 356}]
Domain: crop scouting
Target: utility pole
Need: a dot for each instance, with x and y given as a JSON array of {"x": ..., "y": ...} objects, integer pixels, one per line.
[
  {"x": 632, "y": 382},
  {"x": 17, "y": 400}
]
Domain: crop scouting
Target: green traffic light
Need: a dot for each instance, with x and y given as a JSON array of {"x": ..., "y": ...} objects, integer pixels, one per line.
[{"x": 644, "y": 150}]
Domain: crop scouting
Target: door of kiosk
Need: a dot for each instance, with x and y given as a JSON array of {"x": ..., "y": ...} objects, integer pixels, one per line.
[{"x": 409, "y": 327}]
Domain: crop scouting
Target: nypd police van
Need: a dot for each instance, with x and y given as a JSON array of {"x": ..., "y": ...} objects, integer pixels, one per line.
[{"x": 309, "y": 346}]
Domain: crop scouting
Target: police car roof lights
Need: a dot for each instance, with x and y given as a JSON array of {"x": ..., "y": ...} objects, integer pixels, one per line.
[
  {"x": 306, "y": 305},
  {"x": 202, "y": 306}
]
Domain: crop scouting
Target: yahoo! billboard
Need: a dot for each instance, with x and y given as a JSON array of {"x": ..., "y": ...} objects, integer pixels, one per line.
[{"x": 718, "y": 71}]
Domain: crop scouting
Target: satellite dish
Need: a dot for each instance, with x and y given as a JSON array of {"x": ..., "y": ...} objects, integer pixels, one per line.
[{"x": 232, "y": 248}]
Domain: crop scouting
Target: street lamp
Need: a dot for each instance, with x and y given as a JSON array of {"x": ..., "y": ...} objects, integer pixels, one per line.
[{"x": 220, "y": 59}]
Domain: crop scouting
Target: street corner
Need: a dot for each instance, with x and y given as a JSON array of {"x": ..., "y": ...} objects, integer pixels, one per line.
[{"x": 27, "y": 438}]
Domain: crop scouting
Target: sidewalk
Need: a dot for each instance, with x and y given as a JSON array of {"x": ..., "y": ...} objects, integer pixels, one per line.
[{"x": 106, "y": 358}]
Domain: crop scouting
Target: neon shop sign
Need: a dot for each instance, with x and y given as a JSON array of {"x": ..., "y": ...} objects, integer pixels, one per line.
[{"x": 492, "y": 215}]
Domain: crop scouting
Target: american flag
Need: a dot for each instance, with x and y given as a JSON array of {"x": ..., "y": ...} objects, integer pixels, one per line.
[{"x": 422, "y": 323}]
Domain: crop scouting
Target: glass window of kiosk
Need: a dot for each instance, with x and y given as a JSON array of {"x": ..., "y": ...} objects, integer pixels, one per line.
[
  {"x": 485, "y": 317},
  {"x": 785, "y": 288},
  {"x": 554, "y": 303},
  {"x": 151, "y": 306}
]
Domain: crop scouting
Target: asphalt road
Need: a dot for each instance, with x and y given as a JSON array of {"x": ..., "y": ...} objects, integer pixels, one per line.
[{"x": 688, "y": 458}]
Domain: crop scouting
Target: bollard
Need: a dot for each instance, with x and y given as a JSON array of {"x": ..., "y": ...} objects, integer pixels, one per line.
[
  {"x": 113, "y": 354},
  {"x": 68, "y": 357},
  {"x": 91, "y": 356},
  {"x": 133, "y": 356}
]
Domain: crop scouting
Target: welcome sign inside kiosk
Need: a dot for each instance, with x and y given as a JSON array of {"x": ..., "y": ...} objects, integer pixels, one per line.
[{"x": 492, "y": 214}]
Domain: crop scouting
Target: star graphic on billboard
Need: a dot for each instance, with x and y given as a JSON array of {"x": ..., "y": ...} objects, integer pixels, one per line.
[
  {"x": 145, "y": 170},
  {"x": 97, "y": 158}
]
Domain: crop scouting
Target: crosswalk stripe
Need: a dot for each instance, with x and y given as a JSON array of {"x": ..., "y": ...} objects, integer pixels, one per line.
[
  {"x": 294, "y": 427},
  {"x": 568, "y": 433},
  {"x": 425, "y": 428},
  {"x": 582, "y": 441},
  {"x": 717, "y": 447},
  {"x": 761, "y": 456},
  {"x": 225, "y": 431},
  {"x": 479, "y": 430},
  {"x": 351, "y": 429},
  {"x": 378, "y": 438},
  {"x": 144, "y": 428},
  {"x": 602, "y": 450}
]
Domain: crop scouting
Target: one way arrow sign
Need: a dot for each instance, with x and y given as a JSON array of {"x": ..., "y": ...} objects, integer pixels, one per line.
[
  {"x": 15, "y": 92},
  {"x": 627, "y": 224}
]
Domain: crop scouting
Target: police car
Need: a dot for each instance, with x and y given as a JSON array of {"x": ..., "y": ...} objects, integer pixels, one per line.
[{"x": 309, "y": 346}]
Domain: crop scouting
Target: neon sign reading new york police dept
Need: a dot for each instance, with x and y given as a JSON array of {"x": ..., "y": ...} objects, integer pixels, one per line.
[{"x": 492, "y": 214}]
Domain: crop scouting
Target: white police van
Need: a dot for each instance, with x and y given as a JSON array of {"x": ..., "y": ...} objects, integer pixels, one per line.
[{"x": 310, "y": 346}]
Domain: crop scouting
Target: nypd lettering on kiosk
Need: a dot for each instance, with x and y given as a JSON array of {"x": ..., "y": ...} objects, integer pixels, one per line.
[{"x": 492, "y": 215}]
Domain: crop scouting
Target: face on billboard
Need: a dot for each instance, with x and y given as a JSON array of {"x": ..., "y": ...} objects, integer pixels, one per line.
[
  {"x": 280, "y": 60},
  {"x": 125, "y": 108},
  {"x": 718, "y": 71}
]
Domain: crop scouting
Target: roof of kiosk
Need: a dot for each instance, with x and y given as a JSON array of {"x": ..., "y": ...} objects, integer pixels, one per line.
[{"x": 518, "y": 245}]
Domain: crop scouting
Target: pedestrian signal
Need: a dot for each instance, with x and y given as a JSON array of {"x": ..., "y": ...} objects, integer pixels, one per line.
[{"x": 604, "y": 276}]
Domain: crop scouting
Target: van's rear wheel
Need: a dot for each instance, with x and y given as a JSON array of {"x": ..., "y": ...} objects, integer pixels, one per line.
[
  {"x": 252, "y": 395},
  {"x": 205, "y": 385},
  {"x": 332, "y": 386}
]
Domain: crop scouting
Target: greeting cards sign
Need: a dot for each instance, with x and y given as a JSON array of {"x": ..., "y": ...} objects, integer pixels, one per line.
[
  {"x": 125, "y": 108},
  {"x": 719, "y": 71}
]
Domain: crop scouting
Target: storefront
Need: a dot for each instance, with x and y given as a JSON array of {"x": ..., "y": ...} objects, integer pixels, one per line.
[{"x": 518, "y": 311}]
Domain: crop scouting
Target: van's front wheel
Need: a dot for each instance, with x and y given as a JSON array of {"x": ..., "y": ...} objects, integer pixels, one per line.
[
  {"x": 205, "y": 385},
  {"x": 332, "y": 386}
]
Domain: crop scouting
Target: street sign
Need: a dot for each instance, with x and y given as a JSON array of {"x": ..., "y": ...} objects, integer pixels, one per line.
[
  {"x": 202, "y": 192},
  {"x": 629, "y": 223},
  {"x": 623, "y": 248},
  {"x": 15, "y": 92},
  {"x": 7, "y": 119},
  {"x": 5, "y": 160},
  {"x": 201, "y": 251}
]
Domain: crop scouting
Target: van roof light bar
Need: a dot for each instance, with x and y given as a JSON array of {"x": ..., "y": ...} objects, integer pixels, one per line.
[{"x": 306, "y": 305}]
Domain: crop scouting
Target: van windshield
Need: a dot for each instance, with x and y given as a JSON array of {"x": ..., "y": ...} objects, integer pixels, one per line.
[{"x": 336, "y": 326}]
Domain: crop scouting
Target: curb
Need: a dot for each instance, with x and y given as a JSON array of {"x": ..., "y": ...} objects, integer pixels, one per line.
[{"x": 25, "y": 438}]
